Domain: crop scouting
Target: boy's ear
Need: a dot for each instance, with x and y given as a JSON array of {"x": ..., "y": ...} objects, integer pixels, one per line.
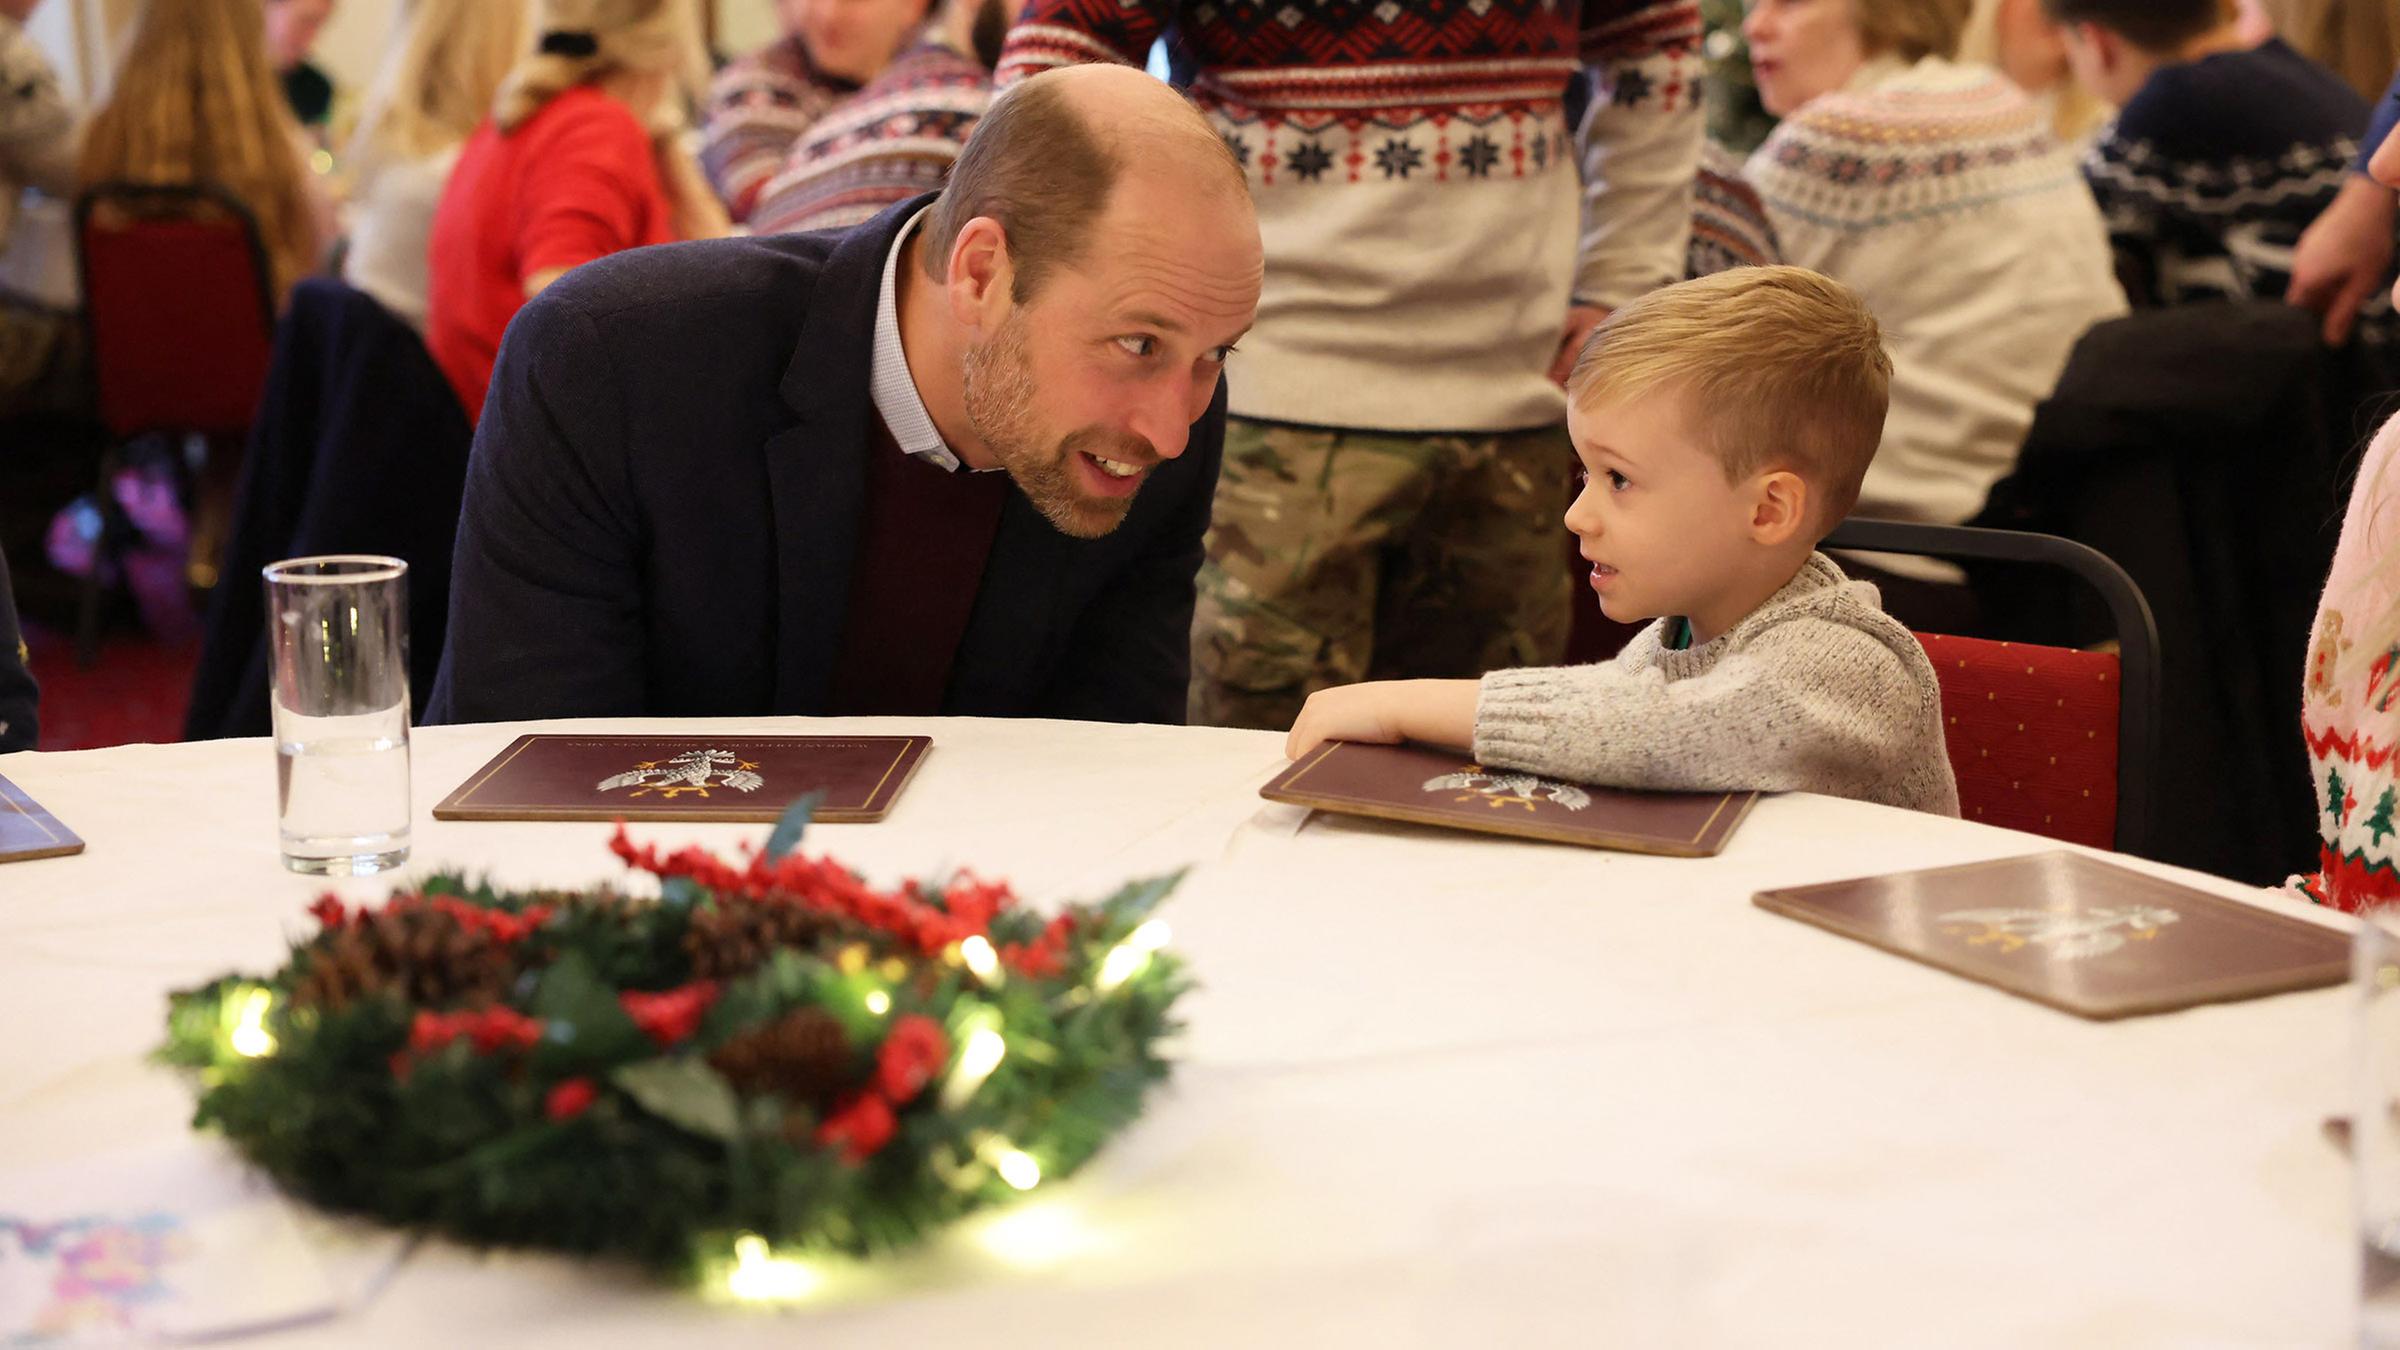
[{"x": 1779, "y": 509}]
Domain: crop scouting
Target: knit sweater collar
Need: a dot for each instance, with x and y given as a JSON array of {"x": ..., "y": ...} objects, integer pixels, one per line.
[{"x": 1808, "y": 586}]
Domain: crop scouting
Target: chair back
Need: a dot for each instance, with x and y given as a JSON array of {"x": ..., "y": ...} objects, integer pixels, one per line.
[
  {"x": 2032, "y": 735},
  {"x": 2047, "y": 740},
  {"x": 179, "y": 307}
]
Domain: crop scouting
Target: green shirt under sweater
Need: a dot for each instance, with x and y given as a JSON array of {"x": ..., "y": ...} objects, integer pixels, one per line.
[{"x": 1817, "y": 690}]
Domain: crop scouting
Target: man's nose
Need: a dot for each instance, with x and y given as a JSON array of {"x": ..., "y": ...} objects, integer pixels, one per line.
[{"x": 1165, "y": 417}]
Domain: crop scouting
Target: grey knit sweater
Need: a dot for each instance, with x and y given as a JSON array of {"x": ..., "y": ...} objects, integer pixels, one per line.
[{"x": 1818, "y": 690}]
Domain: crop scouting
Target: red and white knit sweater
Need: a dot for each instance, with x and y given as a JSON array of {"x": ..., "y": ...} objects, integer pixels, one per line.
[
  {"x": 894, "y": 139},
  {"x": 2350, "y": 704},
  {"x": 758, "y": 107},
  {"x": 1417, "y": 185}
]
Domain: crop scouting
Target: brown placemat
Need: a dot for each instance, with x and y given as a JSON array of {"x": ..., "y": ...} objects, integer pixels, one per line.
[
  {"x": 722, "y": 778},
  {"x": 2080, "y": 935},
  {"x": 28, "y": 832},
  {"x": 1425, "y": 786}
]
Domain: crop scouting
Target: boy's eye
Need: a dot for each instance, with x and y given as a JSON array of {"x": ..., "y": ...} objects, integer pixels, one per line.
[
  {"x": 1618, "y": 482},
  {"x": 1138, "y": 346}
]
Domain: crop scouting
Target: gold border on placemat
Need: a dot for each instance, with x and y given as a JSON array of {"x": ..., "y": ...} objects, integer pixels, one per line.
[
  {"x": 909, "y": 753},
  {"x": 1283, "y": 788},
  {"x": 1788, "y": 903},
  {"x": 64, "y": 843}
]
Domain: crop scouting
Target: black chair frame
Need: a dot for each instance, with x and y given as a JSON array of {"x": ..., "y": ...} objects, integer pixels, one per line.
[{"x": 2129, "y": 611}]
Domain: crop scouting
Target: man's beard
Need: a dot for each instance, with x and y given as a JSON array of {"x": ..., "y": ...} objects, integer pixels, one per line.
[{"x": 999, "y": 398}]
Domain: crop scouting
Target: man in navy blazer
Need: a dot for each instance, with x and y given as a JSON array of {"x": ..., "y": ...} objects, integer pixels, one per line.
[{"x": 958, "y": 459}]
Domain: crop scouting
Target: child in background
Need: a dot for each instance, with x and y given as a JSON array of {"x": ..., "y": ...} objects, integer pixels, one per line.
[
  {"x": 2222, "y": 152},
  {"x": 1723, "y": 425}
]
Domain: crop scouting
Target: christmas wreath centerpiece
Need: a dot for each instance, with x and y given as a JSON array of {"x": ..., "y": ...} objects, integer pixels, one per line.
[{"x": 770, "y": 1058}]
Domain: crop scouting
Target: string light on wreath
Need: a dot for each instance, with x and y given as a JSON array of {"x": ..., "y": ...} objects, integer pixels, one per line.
[
  {"x": 1127, "y": 958},
  {"x": 250, "y": 1038},
  {"x": 760, "y": 1276},
  {"x": 1015, "y": 1166},
  {"x": 978, "y": 1056},
  {"x": 981, "y": 959},
  {"x": 878, "y": 1002}
]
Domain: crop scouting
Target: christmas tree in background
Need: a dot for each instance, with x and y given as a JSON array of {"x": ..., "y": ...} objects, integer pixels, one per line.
[{"x": 1736, "y": 119}]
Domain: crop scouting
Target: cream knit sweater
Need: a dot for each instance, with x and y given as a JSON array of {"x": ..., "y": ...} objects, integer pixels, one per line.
[
  {"x": 1937, "y": 192},
  {"x": 1818, "y": 690}
]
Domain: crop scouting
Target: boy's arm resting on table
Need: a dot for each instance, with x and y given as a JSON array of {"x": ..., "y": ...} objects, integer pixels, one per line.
[
  {"x": 1383, "y": 712},
  {"x": 1806, "y": 706}
]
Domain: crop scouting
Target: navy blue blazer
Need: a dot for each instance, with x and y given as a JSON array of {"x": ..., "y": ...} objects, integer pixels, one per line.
[{"x": 663, "y": 501}]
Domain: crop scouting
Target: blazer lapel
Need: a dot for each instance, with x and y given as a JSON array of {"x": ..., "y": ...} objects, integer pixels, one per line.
[
  {"x": 816, "y": 468},
  {"x": 1011, "y": 646}
]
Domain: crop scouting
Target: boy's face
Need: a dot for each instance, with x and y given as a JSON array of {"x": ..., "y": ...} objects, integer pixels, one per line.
[{"x": 1663, "y": 530}]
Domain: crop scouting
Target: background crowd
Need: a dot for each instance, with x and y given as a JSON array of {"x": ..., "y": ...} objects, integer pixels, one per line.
[{"x": 2104, "y": 239}]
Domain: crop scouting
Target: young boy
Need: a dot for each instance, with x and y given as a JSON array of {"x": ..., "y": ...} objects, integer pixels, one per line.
[
  {"x": 1723, "y": 425},
  {"x": 2224, "y": 151}
]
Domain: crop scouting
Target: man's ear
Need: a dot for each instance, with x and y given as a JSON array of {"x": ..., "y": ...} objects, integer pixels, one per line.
[
  {"x": 981, "y": 276},
  {"x": 1779, "y": 508}
]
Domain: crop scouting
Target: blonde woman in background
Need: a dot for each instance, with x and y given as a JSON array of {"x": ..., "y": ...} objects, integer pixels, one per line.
[
  {"x": 2358, "y": 40},
  {"x": 2017, "y": 38},
  {"x": 584, "y": 155},
  {"x": 436, "y": 87},
  {"x": 195, "y": 100}
]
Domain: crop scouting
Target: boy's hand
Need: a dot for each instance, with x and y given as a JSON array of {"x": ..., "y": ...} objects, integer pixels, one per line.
[{"x": 1441, "y": 712}]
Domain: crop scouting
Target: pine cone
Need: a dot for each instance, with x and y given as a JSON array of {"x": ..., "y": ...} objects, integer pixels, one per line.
[
  {"x": 417, "y": 952},
  {"x": 803, "y": 1056},
  {"x": 728, "y": 941}
]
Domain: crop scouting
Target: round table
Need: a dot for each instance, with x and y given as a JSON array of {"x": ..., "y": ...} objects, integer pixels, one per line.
[{"x": 1436, "y": 1089}]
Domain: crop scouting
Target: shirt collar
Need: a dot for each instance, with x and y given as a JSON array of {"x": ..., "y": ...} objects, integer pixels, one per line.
[{"x": 895, "y": 391}]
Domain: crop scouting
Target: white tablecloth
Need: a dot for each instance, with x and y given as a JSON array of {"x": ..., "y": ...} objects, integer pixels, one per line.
[{"x": 1437, "y": 1089}]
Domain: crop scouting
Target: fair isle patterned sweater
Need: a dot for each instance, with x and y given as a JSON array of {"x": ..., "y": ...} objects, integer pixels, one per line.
[
  {"x": 1937, "y": 192},
  {"x": 758, "y": 108},
  {"x": 2350, "y": 704},
  {"x": 892, "y": 140},
  {"x": 1427, "y": 213},
  {"x": 2215, "y": 166}
]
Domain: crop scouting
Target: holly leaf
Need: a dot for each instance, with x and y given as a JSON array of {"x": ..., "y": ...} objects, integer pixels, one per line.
[
  {"x": 588, "y": 1027},
  {"x": 684, "y": 1093},
  {"x": 793, "y": 824}
]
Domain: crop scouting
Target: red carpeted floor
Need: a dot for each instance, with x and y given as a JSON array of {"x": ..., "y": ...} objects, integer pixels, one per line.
[{"x": 135, "y": 691}]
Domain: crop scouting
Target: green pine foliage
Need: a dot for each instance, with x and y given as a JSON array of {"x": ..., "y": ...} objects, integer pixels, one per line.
[{"x": 649, "y": 1152}]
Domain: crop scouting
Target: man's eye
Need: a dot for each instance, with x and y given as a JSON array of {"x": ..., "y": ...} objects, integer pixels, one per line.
[
  {"x": 1221, "y": 355},
  {"x": 1138, "y": 346}
]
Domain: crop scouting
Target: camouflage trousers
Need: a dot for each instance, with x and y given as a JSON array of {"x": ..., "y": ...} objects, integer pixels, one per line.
[{"x": 1339, "y": 556}]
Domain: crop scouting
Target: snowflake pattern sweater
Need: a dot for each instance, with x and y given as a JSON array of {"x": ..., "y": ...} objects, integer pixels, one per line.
[
  {"x": 894, "y": 139},
  {"x": 2214, "y": 168},
  {"x": 2350, "y": 703},
  {"x": 1417, "y": 184},
  {"x": 1937, "y": 192},
  {"x": 758, "y": 108}
]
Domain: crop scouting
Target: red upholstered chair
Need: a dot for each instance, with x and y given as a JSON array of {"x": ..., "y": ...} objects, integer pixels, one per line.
[
  {"x": 180, "y": 309},
  {"x": 2047, "y": 740}
]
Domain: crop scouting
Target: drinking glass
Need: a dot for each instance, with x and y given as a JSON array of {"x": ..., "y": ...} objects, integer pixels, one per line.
[{"x": 338, "y": 627}]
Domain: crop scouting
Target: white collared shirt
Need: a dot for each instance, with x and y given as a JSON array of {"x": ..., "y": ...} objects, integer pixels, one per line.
[{"x": 888, "y": 380}]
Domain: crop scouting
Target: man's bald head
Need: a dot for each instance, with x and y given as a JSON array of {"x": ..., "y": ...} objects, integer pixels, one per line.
[{"x": 1051, "y": 150}]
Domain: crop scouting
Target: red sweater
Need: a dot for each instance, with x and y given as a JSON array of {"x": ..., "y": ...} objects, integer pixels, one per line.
[{"x": 574, "y": 182}]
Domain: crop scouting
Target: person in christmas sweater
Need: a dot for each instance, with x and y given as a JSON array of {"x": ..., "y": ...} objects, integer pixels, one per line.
[
  {"x": 895, "y": 138},
  {"x": 2222, "y": 152},
  {"x": 1439, "y": 241},
  {"x": 1939, "y": 194},
  {"x": 761, "y": 105},
  {"x": 2350, "y": 700},
  {"x": 1724, "y": 426}
]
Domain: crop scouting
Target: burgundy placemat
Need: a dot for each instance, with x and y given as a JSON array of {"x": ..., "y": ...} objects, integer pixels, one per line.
[
  {"x": 725, "y": 778},
  {"x": 28, "y": 832},
  {"x": 2080, "y": 935},
  {"x": 1442, "y": 787}
]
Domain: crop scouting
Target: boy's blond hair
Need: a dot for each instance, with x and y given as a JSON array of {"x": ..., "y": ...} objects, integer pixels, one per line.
[{"x": 1777, "y": 366}]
